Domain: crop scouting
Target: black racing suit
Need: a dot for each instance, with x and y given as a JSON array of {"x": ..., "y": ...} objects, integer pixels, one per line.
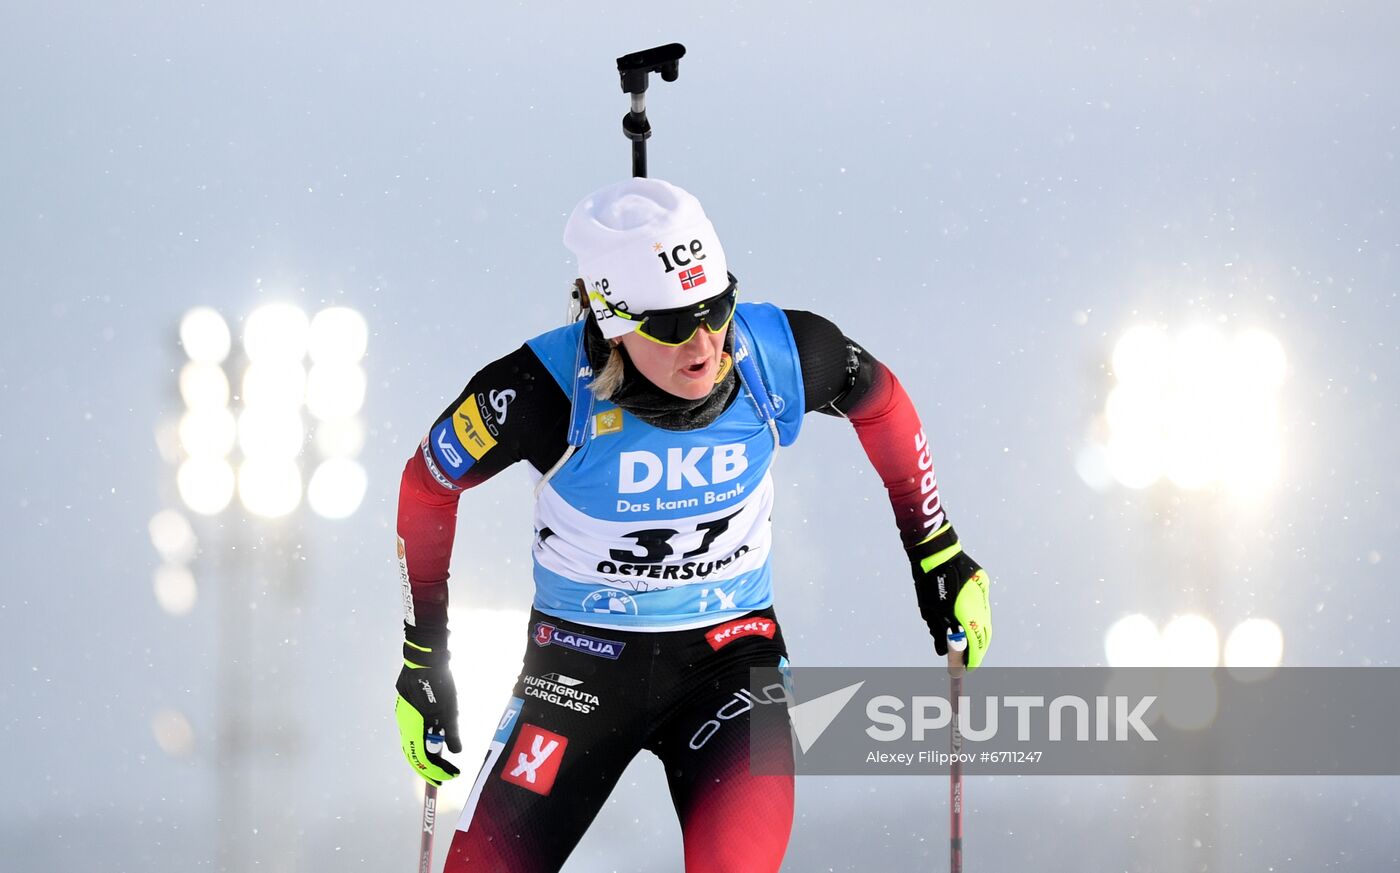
[{"x": 588, "y": 699}]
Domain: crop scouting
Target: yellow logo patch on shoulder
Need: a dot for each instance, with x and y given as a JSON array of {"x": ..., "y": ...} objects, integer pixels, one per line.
[
  {"x": 607, "y": 422},
  {"x": 471, "y": 430}
]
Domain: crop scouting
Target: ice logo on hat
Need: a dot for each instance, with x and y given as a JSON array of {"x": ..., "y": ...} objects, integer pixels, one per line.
[{"x": 641, "y": 245}]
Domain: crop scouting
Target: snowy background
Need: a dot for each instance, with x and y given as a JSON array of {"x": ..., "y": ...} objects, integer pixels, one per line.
[{"x": 986, "y": 198}]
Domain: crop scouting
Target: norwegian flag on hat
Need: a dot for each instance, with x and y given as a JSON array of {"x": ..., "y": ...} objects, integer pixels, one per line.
[{"x": 692, "y": 277}]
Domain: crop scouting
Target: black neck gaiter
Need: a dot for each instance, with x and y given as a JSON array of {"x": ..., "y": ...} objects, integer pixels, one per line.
[{"x": 657, "y": 407}]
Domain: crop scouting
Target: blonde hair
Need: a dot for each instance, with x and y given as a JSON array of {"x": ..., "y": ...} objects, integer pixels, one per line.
[
  {"x": 606, "y": 382},
  {"x": 609, "y": 379}
]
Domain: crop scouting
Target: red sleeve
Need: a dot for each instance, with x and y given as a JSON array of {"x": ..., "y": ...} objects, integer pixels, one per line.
[
  {"x": 427, "y": 524},
  {"x": 889, "y": 429},
  {"x": 518, "y": 412}
]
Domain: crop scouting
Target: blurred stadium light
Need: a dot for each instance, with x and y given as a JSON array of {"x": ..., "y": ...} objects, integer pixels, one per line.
[
  {"x": 257, "y": 443},
  {"x": 1199, "y": 409}
]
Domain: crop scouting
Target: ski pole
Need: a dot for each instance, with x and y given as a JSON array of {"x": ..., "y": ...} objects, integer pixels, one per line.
[
  {"x": 425, "y": 848},
  {"x": 634, "y": 70},
  {"x": 957, "y": 644}
]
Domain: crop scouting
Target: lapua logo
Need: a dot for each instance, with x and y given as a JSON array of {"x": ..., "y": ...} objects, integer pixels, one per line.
[
  {"x": 642, "y": 470},
  {"x": 546, "y": 634}
]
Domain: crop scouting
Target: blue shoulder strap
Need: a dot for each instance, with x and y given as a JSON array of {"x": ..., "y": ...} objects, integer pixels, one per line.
[
  {"x": 753, "y": 379},
  {"x": 582, "y": 401}
]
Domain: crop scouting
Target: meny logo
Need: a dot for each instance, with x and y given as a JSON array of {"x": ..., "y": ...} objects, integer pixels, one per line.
[{"x": 724, "y": 634}]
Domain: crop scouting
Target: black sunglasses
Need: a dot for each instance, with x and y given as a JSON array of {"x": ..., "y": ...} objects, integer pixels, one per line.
[{"x": 677, "y": 326}]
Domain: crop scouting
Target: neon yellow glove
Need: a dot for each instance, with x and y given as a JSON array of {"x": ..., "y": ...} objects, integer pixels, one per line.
[
  {"x": 953, "y": 592},
  {"x": 426, "y": 709}
]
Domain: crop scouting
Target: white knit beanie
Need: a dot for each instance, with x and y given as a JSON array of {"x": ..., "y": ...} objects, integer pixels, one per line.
[{"x": 643, "y": 245}]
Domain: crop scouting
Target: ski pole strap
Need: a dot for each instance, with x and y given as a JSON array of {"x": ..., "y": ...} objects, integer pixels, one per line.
[
  {"x": 935, "y": 550},
  {"x": 582, "y": 401},
  {"x": 580, "y": 410}
]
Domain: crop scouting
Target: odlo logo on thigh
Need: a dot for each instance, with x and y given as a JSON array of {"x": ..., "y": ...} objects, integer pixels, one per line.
[
  {"x": 740, "y": 703},
  {"x": 534, "y": 761}
]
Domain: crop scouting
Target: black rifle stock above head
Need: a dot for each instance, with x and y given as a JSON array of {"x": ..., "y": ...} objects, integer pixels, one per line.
[
  {"x": 635, "y": 71},
  {"x": 665, "y": 59}
]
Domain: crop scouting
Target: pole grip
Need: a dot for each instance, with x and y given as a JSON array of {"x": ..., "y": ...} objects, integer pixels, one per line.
[{"x": 957, "y": 660}]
